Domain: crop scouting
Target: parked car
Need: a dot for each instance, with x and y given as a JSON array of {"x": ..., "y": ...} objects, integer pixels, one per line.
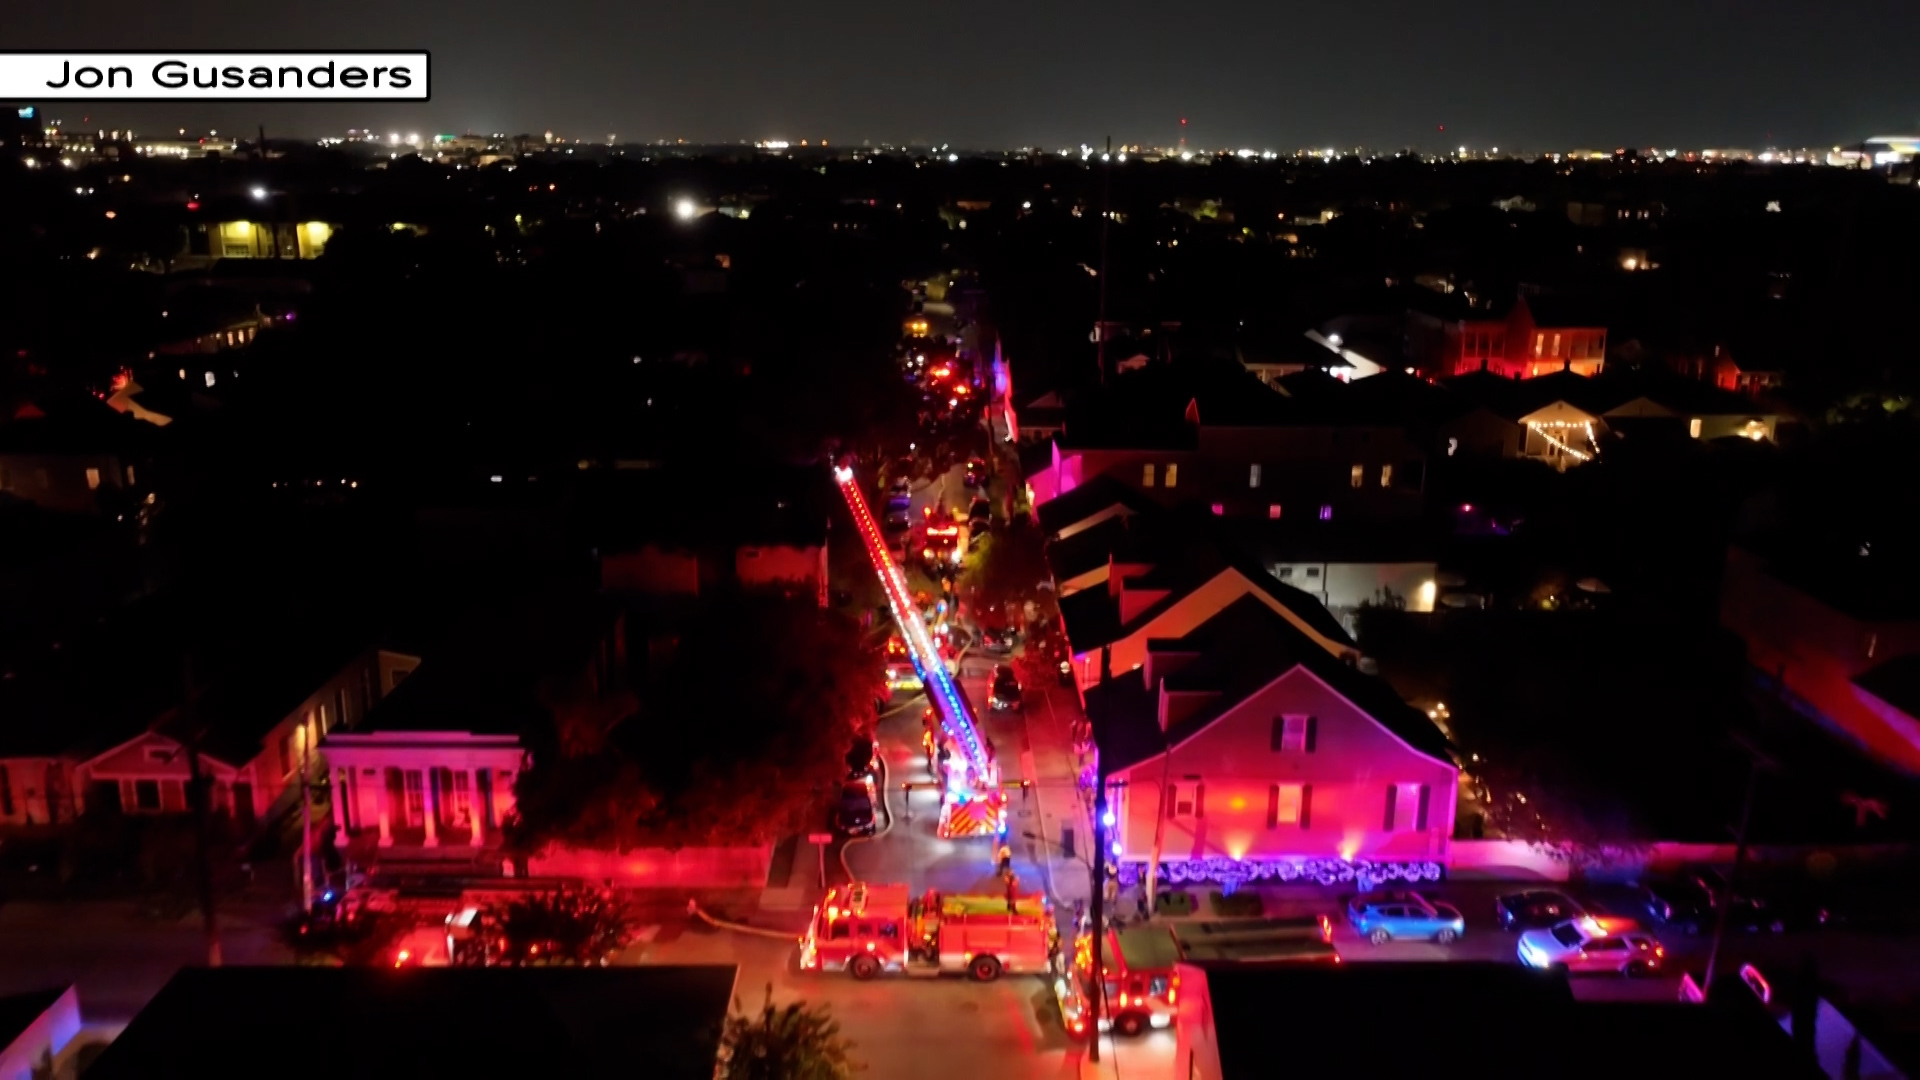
[
  {"x": 854, "y": 816},
  {"x": 1535, "y": 909},
  {"x": 1005, "y": 691},
  {"x": 1590, "y": 945},
  {"x": 979, "y": 514},
  {"x": 1684, "y": 902},
  {"x": 1386, "y": 916},
  {"x": 997, "y": 641},
  {"x": 901, "y": 485}
]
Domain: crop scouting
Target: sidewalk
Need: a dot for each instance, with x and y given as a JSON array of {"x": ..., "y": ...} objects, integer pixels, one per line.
[{"x": 1049, "y": 759}]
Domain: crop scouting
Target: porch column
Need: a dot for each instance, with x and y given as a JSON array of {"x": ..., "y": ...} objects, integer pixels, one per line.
[
  {"x": 386, "y": 810},
  {"x": 343, "y": 781},
  {"x": 432, "y": 804},
  {"x": 476, "y": 809}
]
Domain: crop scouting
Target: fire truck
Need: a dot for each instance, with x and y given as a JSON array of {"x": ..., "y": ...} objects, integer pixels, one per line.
[
  {"x": 867, "y": 929},
  {"x": 1142, "y": 988}
]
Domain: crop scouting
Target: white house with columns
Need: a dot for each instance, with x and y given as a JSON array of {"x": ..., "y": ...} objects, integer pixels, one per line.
[{"x": 421, "y": 789}]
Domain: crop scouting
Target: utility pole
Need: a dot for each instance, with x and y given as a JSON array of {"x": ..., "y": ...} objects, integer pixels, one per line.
[
  {"x": 306, "y": 821},
  {"x": 1159, "y": 833},
  {"x": 1733, "y": 875},
  {"x": 198, "y": 793},
  {"x": 1106, "y": 218},
  {"x": 1099, "y": 974}
]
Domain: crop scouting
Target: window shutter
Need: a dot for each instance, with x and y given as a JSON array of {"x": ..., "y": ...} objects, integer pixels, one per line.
[
  {"x": 1279, "y": 741},
  {"x": 1173, "y": 798},
  {"x": 1393, "y": 793},
  {"x": 1420, "y": 820},
  {"x": 1313, "y": 732},
  {"x": 1273, "y": 805},
  {"x": 1199, "y": 800},
  {"x": 1306, "y": 805}
]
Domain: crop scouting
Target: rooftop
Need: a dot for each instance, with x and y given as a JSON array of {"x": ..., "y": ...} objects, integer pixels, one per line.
[
  {"x": 1896, "y": 682},
  {"x": 578, "y": 1022},
  {"x": 1332, "y": 1009},
  {"x": 1235, "y": 654}
]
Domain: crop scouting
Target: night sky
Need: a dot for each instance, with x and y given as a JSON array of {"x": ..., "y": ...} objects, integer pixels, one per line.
[{"x": 996, "y": 73}]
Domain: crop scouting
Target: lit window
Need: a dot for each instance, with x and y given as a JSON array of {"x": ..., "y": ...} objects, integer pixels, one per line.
[
  {"x": 1292, "y": 734},
  {"x": 129, "y": 476},
  {"x": 1693, "y": 427},
  {"x": 1326, "y": 512},
  {"x": 1556, "y": 345},
  {"x": 1273, "y": 512},
  {"x": 1286, "y": 805},
  {"x": 1173, "y": 475},
  {"x": 93, "y": 479},
  {"x": 1539, "y": 343},
  {"x": 1359, "y": 475},
  {"x": 1253, "y": 476},
  {"x": 1146, "y": 475},
  {"x": 1386, "y": 476}
]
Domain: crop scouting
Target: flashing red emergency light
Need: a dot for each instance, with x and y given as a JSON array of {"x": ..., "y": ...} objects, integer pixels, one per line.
[{"x": 193, "y": 205}]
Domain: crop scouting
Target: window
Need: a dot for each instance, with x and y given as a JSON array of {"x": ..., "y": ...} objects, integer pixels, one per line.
[
  {"x": 146, "y": 795},
  {"x": 1407, "y": 807},
  {"x": 1326, "y": 512},
  {"x": 1386, "y": 476},
  {"x": 1253, "y": 476},
  {"x": 1313, "y": 571},
  {"x": 1359, "y": 475},
  {"x": 839, "y": 930},
  {"x": 1283, "y": 804},
  {"x": 1539, "y": 344},
  {"x": 93, "y": 479},
  {"x": 1556, "y": 345},
  {"x": 1146, "y": 475},
  {"x": 1186, "y": 800},
  {"x": 1693, "y": 427},
  {"x": 129, "y": 476},
  {"x": 415, "y": 800},
  {"x": 1294, "y": 734},
  {"x": 1286, "y": 572},
  {"x": 1273, "y": 512},
  {"x": 1173, "y": 474},
  {"x": 889, "y": 931}
]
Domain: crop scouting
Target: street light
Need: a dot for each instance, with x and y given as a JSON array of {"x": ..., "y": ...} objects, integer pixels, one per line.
[
  {"x": 260, "y": 193},
  {"x": 685, "y": 210}
]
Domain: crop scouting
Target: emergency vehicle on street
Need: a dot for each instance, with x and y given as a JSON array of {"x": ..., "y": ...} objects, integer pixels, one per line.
[{"x": 866, "y": 929}]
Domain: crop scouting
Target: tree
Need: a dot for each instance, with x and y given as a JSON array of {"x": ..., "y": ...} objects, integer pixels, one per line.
[
  {"x": 737, "y": 741},
  {"x": 1011, "y": 570},
  {"x": 797, "y": 1042},
  {"x": 572, "y": 927}
]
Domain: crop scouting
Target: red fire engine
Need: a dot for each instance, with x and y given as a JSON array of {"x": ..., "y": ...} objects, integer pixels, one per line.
[{"x": 867, "y": 929}]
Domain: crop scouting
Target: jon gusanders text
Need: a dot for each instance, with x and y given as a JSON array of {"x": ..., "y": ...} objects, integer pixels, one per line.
[{"x": 179, "y": 74}]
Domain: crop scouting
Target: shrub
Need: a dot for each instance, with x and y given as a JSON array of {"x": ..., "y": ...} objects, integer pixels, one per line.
[{"x": 1239, "y": 905}]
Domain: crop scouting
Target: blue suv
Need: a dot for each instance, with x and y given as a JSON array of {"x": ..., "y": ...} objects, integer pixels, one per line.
[{"x": 1387, "y": 916}]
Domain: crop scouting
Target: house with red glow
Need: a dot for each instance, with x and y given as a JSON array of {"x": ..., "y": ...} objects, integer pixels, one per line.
[
  {"x": 74, "y": 454},
  {"x": 1836, "y": 638},
  {"x": 1538, "y": 334},
  {"x": 1243, "y": 749},
  {"x": 102, "y": 727}
]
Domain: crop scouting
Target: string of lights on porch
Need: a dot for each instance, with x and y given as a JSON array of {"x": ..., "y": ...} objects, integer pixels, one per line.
[{"x": 1546, "y": 429}]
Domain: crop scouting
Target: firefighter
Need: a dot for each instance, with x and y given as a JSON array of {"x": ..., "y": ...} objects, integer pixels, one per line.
[{"x": 1006, "y": 861}]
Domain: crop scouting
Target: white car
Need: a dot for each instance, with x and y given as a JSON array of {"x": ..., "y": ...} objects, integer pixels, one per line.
[{"x": 1593, "y": 944}]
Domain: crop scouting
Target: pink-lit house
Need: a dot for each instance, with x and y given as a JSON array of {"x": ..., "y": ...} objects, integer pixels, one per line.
[{"x": 1243, "y": 750}]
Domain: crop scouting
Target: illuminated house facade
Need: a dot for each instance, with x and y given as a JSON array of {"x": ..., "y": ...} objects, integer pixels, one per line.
[
  {"x": 1538, "y": 335},
  {"x": 1244, "y": 750},
  {"x": 244, "y": 239},
  {"x": 433, "y": 767}
]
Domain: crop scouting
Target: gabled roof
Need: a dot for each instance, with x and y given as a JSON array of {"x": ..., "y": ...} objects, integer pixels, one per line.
[
  {"x": 1185, "y": 550},
  {"x": 1240, "y": 652},
  {"x": 1100, "y": 494},
  {"x": 18, "y": 1012},
  {"x": 68, "y": 423},
  {"x": 1551, "y": 310},
  {"x": 529, "y": 1021}
]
